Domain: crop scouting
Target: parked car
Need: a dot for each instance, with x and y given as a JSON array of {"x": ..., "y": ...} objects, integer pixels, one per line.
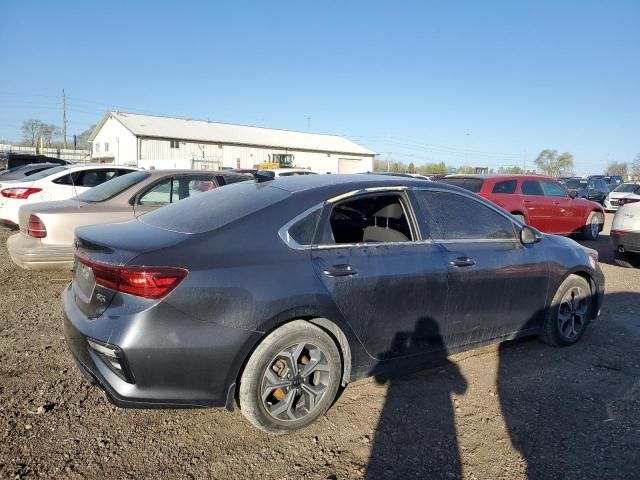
[
  {"x": 57, "y": 183},
  {"x": 277, "y": 293},
  {"x": 9, "y": 160},
  {"x": 589, "y": 188},
  {"x": 539, "y": 201},
  {"x": 613, "y": 181},
  {"x": 45, "y": 241},
  {"x": 17, "y": 173},
  {"x": 625, "y": 190},
  {"x": 625, "y": 232}
]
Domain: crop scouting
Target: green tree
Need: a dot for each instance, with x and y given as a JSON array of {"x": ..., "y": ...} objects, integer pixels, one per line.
[
  {"x": 553, "y": 164},
  {"x": 433, "y": 168},
  {"x": 411, "y": 168},
  {"x": 511, "y": 170}
]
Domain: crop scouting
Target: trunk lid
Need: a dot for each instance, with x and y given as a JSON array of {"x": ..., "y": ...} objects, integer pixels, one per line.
[{"x": 115, "y": 245}]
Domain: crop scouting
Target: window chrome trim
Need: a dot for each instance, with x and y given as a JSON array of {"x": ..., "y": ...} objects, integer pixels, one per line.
[
  {"x": 283, "y": 232},
  {"x": 397, "y": 188}
]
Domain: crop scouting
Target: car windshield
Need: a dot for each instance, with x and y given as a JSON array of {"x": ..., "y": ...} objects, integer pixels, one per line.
[
  {"x": 472, "y": 184},
  {"x": 113, "y": 187},
  {"x": 47, "y": 172},
  {"x": 627, "y": 188},
  {"x": 575, "y": 184},
  {"x": 211, "y": 210}
]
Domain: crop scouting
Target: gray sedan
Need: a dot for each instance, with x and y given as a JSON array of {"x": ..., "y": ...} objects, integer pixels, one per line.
[{"x": 46, "y": 229}]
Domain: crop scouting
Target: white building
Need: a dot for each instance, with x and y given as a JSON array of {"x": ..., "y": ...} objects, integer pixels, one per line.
[{"x": 163, "y": 142}]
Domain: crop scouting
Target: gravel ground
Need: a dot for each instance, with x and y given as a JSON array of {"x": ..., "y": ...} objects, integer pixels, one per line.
[{"x": 519, "y": 410}]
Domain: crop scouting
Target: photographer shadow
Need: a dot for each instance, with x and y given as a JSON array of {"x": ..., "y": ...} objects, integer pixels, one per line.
[{"x": 416, "y": 433}]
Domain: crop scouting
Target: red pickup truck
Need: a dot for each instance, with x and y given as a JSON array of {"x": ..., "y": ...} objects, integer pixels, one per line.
[{"x": 539, "y": 201}]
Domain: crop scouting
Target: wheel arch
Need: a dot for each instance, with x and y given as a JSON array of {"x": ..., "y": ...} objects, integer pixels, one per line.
[
  {"x": 328, "y": 326},
  {"x": 585, "y": 274}
]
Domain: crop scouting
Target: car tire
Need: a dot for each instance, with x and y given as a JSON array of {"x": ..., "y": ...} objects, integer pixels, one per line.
[
  {"x": 520, "y": 218},
  {"x": 626, "y": 260},
  {"x": 592, "y": 228},
  {"x": 275, "y": 394},
  {"x": 569, "y": 314}
]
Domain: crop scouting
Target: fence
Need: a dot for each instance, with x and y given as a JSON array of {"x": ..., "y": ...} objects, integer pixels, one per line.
[{"x": 68, "y": 154}]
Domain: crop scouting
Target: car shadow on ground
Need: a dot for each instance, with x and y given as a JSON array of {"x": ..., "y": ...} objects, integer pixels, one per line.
[{"x": 569, "y": 412}]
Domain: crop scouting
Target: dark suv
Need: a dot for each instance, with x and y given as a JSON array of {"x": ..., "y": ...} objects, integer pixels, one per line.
[{"x": 592, "y": 188}]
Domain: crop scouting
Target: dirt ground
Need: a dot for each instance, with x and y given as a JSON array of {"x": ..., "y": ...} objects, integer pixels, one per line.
[{"x": 519, "y": 410}]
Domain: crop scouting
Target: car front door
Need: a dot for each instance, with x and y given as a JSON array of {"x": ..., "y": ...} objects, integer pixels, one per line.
[
  {"x": 567, "y": 214},
  {"x": 539, "y": 208},
  {"x": 497, "y": 286},
  {"x": 387, "y": 283}
]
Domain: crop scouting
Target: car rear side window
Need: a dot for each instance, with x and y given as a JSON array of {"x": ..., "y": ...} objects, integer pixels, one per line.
[
  {"x": 505, "y": 187},
  {"x": 112, "y": 188},
  {"x": 303, "y": 231},
  {"x": 472, "y": 184},
  {"x": 451, "y": 216},
  {"x": 206, "y": 212},
  {"x": 532, "y": 187}
]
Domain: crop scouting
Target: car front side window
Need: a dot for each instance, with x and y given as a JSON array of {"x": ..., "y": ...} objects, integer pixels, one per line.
[
  {"x": 553, "y": 190},
  {"x": 449, "y": 216}
]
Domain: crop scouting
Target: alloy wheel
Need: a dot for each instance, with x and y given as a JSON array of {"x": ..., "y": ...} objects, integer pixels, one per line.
[
  {"x": 572, "y": 314},
  {"x": 295, "y": 381},
  {"x": 595, "y": 226}
]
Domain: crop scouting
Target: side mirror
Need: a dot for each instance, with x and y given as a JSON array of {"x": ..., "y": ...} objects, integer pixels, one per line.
[
  {"x": 529, "y": 235},
  {"x": 573, "y": 193}
]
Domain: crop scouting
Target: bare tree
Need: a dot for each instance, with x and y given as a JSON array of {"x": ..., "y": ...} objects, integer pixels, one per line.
[
  {"x": 635, "y": 167},
  {"x": 616, "y": 168},
  {"x": 553, "y": 164},
  {"x": 31, "y": 131},
  {"x": 50, "y": 132}
]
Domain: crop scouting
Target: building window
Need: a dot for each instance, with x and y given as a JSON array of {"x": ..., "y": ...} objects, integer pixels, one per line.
[
  {"x": 106, "y": 147},
  {"x": 284, "y": 159},
  {"x": 96, "y": 148},
  {"x": 174, "y": 143}
]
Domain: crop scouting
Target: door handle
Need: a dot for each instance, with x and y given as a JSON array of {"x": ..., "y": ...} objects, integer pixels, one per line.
[
  {"x": 341, "y": 270},
  {"x": 463, "y": 262}
]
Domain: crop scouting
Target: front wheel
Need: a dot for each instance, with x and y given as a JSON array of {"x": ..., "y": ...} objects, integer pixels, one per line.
[
  {"x": 592, "y": 228},
  {"x": 291, "y": 379},
  {"x": 626, "y": 260},
  {"x": 569, "y": 313}
]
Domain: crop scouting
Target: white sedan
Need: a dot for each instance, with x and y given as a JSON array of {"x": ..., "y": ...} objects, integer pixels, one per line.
[
  {"x": 624, "y": 190},
  {"x": 58, "y": 183}
]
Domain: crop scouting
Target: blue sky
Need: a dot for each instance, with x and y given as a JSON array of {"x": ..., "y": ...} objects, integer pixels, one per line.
[{"x": 413, "y": 78}]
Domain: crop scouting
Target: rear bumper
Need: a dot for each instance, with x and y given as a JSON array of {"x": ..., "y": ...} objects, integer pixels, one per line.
[
  {"x": 174, "y": 361},
  {"x": 629, "y": 241},
  {"x": 32, "y": 254}
]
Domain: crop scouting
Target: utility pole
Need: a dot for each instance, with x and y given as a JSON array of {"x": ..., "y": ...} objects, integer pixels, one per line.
[
  {"x": 466, "y": 151},
  {"x": 524, "y": 162},
  {"x": 388, "y": 152},
  {"x": 64, "y": 118}
]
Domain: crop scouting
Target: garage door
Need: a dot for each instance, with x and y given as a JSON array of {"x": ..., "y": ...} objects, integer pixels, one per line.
[{"x": 350, "y": 165}]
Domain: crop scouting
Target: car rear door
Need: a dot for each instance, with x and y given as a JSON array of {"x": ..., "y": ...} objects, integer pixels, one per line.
[
  {"x": 392, "y": 294},
  {"x": 539, "y": 208},
  {"x": 496, "y": 285}
]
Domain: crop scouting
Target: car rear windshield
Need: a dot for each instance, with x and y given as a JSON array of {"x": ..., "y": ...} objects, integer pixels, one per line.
[
  {"x": 47, "y": 172},
  {"x": 472, "y": 184},
  {"x": 214, "y": 209},
  {"x": 113, "y": 187}
]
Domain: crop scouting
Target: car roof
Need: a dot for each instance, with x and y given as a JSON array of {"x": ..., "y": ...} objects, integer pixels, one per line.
[
  {"x": 500, "y": 176},
  {"x": 183, "y": 171},
  {"x": 353, "y": 181}
]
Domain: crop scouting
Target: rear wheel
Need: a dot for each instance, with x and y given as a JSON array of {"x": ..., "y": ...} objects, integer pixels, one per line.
[
  {"x": 626, "y": 260},
  {"x": 291, "y": 378},
  {"x": 569, "y": 313},
  {"x": 592, "y": 229}
]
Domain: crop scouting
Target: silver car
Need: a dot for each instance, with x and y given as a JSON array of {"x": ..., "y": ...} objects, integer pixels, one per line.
[
  {"x": 45, "y": 241},
  {"x": 626, "y": 190}
]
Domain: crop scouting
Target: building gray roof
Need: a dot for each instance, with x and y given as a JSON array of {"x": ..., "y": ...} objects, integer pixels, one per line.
[{"x": 152, "y": 126}]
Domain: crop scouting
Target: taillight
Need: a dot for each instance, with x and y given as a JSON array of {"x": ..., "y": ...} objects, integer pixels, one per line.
[
  {"x": 625, "y": 200},
  {"x": 147, "y": 282},
  {"x": 19, "y": 192},
  {"x": 36, "y": 227}
]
